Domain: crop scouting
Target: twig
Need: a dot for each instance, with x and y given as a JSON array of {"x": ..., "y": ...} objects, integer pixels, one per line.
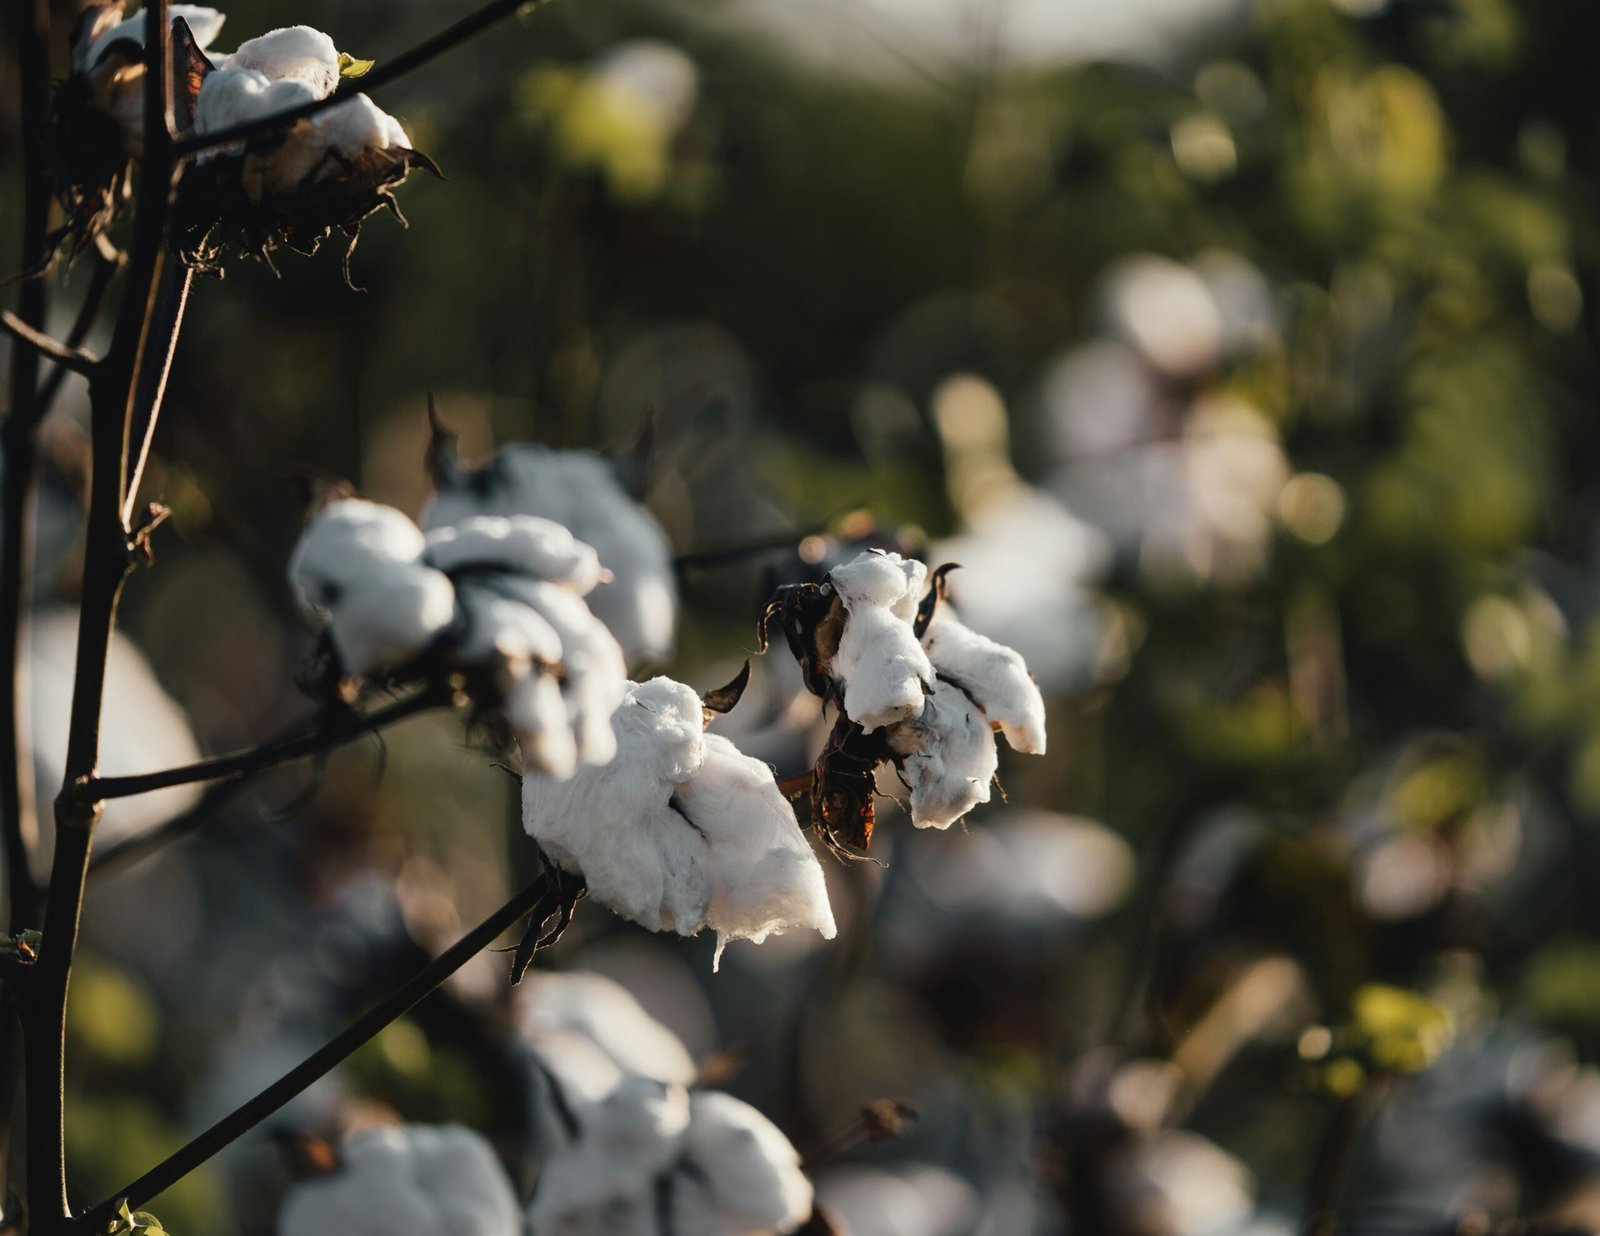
[
  {"x": 386, "y": 72},
  {"x": 162, "y": 342},
  {"x": 75, "y": 359},
  {"x": 107, "y": 263},
  {"x": 320, "y": 737},
  {"x": 539, "y": 897}
]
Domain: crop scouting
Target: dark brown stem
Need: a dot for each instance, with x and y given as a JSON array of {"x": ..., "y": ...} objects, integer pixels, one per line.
[
  {"x": 541, "y": 897},
  {"x": 320, "y": 737},
  {"x": 114, "y": 396},
  {"x": 34, "y": 339},
  {"x": 94, "y": 299},
  {"x": 386, "y": 72},
  {"x": 1333, "y": 1161},
  {"x": 18, "y": 469}
]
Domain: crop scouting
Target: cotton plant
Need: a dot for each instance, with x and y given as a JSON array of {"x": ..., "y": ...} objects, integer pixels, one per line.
[
  {"x": 582, "y": 491},
  {"x": 914, "y": 687},
  {"x": 444, "y": 1180},
  {"x": 681, "y": 831},
  {"x": 499, "y": 600}
]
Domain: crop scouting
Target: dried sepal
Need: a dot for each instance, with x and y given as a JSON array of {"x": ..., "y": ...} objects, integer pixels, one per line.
[
  {"x": 844, "y": 788},
  {"x": 720, "y": 700}
]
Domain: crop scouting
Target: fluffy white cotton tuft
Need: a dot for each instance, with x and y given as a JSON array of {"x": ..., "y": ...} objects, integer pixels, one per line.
[
  {"x": 879, "y": 661},
  {"x": 296, "y": 52},
  {"x": 443, "y": 1180},
  {"x": 524, "y": 544},
  {"x": 994, "y": 675},
  {"x": 680, "y": 831},
  {"x": 579, "y": 490},
  {"x": 764, "y": 877},
  {"x": 357, "y": 565},
  {"x": 623, "y": 1142},
  {"x": 358, "y": 125},
  {"x": 949, "y": 757},
  {"x": 751, "y": 1171}
]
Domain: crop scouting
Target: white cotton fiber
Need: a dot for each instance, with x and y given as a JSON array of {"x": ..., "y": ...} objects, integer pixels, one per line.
[
  {"x": 442, "y": 1180},
  {"x": 764, "y": 877},
  {"x": 751, "y": 1170},
  {"x": 994, "y": 675},
  {"x": 680, "y": 831},
  {"x": 949, "y": 757},
  {"x": 623, "y": 1141},
  {"x": 579, "y": 490},
  {"x": 293, "y": 52},
  {"x": 883, "y": 668},
  {"x": 522, "y": 544}
]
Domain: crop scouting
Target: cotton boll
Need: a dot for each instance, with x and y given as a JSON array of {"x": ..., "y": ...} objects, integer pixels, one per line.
[
  {"x": 949, "y": 757},
  {"x": 579, "y": 490},
  {"x": 356, "y": 126},
  {"x": 751, "y": 1169},
  {"x": 680, "y": 831},
  {"x": 591, "y": 661},
  {"x": 994, "y": 675},
  {"x": 883, "y": 668},
  {"x": 143, "y": 728},
  {"x": 623, "y": 1141},
  {"x": 296, "y": 52},
  {"x": 443, "y": 1180},
  {"x": 615, "y": 824},
  {"x": 1165, "y": 310},
  {"x": 235, "y": 96},
  {"x": 764, "y": 877},
  {"x": 604, "y": 1012},
  {"x": 525, "y": 544},
  {"x": 389, "y": 617}
]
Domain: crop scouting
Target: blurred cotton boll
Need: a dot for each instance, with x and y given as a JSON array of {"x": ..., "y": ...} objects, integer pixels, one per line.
[
  {"x": 1026, "y": 561},
  {"x": 1165, "y": 311},
  {"x": 443, "y": 1180},
  {"x": 908, "y": 1200},
  {"x": 579, "y": 490},
  {"x": 142, "y": 730}
]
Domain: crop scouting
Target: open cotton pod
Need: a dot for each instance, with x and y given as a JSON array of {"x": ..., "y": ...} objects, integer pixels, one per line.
[{"x": 681, "y": 831}]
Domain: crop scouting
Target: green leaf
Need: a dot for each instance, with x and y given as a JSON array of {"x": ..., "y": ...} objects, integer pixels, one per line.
[{"x": 349, "y": 66}]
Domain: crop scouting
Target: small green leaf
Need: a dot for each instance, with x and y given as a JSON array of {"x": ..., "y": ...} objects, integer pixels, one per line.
[{"x": 349, "y": 66}]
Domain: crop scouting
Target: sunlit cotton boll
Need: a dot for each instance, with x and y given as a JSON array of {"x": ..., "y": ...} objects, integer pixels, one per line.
[
  {"x": 142, "y": 729},
  {"x": 443, "y": 1180},
  {"x": 995, "y": 675},
  {"x": 358, "y": 567},
  {"x": 681, "y": 831},
  {"x": 580, "y": 491},
  {"x": 949, "y": 757},
  {"x": 884, "y": 670},
  {"x": 913, "y": 1200},
  {"x": 291, "y": 53}
]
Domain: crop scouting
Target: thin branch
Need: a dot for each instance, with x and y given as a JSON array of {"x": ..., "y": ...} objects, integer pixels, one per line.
[
  {"x": 386, "y": 72},
  {"x": 163, "y": 340},
  {"x": 75, "y": 359},
  {"x": 94, "y": 299},
  {"x": 320, "y": 737},
  {"x": 541, "y": 897}
]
